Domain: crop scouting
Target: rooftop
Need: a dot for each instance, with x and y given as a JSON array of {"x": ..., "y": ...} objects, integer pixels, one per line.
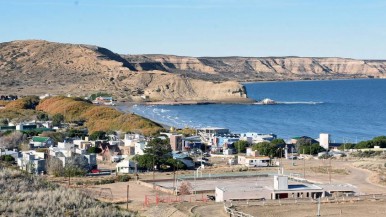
[{"x": 40, "y": 139}]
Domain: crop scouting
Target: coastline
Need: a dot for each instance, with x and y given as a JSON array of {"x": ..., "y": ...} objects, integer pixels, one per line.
[{"x": 201, "y": 102}]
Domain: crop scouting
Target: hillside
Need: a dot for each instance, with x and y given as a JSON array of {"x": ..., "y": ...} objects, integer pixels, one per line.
[
  {"x": 97, "y": 118},
  {"x": 40, "y": 67}
]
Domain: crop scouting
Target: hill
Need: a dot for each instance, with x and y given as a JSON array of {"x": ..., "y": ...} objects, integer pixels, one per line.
[
  {"x": 97, "y": 118},
  {"x": 39, "y": 67},
  {"x": 245, "y": 69}
]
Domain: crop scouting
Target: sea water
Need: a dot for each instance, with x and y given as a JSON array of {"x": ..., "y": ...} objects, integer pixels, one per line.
[{"x": 349, "y": 110}]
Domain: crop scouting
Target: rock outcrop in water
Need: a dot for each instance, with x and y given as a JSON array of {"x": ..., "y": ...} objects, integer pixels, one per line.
[{"x": 39, "y": 67}]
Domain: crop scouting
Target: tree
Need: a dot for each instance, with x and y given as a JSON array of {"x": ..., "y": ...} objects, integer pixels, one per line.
[
  {"x": 42, "y": 116},
  {"x": 4, "y": 122},
  {"x": 303, "y": 141},
  {"x": 57, "y": 119},
  {"x": 7, "y": 158},
  {"x": 144, "y": 161},
  {"x": 12, "y": 140},
  {"x": 311, "y": 149},
  {"x": 98, "y": 135},
  {"x": 94, "y": 150},
  {"x": 54, "y": 166},
  {"x": 159, "y": 150},
  {"x": 185, "y": 188},
  {"x": 175, "y": 164},
  {"x": 278, "y": 142},
  {"x": 76, "y": 133},
  {"x": 156, "y": 153},
  {"x": 379, "y": 141},
  {"x": 31, "y": 102},
  {"x": 241, "y": 146},
  {"x": 364, "y": 144},
  {"x": 346, "y": 146},
  {"x": 76, "y": 166},
  {"x": 265, "y": 148}
]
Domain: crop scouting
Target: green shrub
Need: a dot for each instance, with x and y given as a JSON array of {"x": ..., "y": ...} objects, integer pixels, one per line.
[
  {"x": 104, "y": 181},
  {"x": 123, "y": 178},
  {"x": 7, "y": 158}
]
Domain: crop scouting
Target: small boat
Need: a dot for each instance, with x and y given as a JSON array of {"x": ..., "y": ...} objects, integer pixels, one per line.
[{"x": 266, "y": 101}]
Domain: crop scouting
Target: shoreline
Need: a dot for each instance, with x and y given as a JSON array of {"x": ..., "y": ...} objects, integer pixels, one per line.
[
  {"x": 308, "y": 80},
  {"x": 201, "y": 102}
]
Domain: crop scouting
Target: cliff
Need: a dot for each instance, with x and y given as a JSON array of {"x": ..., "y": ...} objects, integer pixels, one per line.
[
  {"x": 40, "y": 67},
  {"x": 262, "y": 68}
]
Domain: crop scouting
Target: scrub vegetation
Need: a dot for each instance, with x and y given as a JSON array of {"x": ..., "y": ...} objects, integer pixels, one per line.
[
  {"x": 77, "y": 110},
  {"x": 27, "y": 195},
  {"x": 97, "y": 118}
]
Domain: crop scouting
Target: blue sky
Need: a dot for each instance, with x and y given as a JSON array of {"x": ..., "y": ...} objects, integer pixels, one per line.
[{"x": 343, "y": 28}]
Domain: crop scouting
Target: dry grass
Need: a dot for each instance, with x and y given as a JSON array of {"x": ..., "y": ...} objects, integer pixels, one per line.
[
  {"x": 26, "y": 195},
  {"x": 326, "y": 170},
  {"x": 98, "y": 118}
]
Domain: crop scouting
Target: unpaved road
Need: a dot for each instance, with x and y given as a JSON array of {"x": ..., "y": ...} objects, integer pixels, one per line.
[{"x": 210, "y": 210}]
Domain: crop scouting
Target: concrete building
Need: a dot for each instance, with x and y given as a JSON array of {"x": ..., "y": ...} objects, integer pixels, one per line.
[
  {"x": 192, "y": 142},
  {"x": 126, "y": 167},
  {"x": 281, "y": 189},
  {"x": 139, "y": 147},
  {"x": 220, "y": 140},
  {"x": 254, "y": 138},
  {"x": 207, "y": 134},
  {"x": 176, "y": 142},
  {"x": 41, "y": 142},
  {"x": 324, "y": 140},
  {"x": 32, "y": 162},
  {"x": 253, "y": 161}
]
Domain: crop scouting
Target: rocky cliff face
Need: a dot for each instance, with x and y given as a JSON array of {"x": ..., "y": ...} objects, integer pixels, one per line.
[
  {"x": 39, "y": 67},
  {"x": 262, "y": 68}
]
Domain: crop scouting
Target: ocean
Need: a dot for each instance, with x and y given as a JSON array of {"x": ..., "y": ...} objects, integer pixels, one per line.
[{"x": 349, "y": 110}]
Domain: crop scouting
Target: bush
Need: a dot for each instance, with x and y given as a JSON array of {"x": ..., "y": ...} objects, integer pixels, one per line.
[
  {"x": 123, "y": 178},
  {"x": 7, "y": 158},
  {"x": 104, "y": 181},
  {"x": 94, "y": 150}
]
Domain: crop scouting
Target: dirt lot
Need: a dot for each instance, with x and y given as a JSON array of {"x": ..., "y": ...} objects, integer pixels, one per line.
[
  {"x": 351, "y": 209},
  {"x": 342, "y": 171}
]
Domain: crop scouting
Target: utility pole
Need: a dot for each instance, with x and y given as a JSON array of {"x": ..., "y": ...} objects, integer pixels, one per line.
[
  {"x": 304, "y": 167},
  {"x": 153, "y": 174},
  {"x": 127, "y": 197},
  {"x": 329, "y": 171},
  {"x": 318, "y": 214}
]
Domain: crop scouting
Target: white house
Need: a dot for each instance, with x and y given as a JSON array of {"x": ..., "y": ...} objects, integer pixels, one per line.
[
  {"x": 64, "y": 149},
  {"x": 126, "y": 166},
  {"x": 32, "y": 162},
  {"x": 41, "y": 142},
  {"x": 131, "y": 139},
  {"x": 251, "y": 161},
  {"x": 139, "y": 147},
  {"x": 257, "y": 137},
  {"x": 14, "y": 153}
]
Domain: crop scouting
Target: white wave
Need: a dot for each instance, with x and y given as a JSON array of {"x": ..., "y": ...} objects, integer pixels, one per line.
[
  {"x": 291, "y": 103},
  {"x": 300, "y": 102}
]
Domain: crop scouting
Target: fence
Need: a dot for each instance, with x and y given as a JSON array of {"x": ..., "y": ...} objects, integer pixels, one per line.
[
  {"x": 289, "y": 201},
  {"x": 157, "y": 198}
]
